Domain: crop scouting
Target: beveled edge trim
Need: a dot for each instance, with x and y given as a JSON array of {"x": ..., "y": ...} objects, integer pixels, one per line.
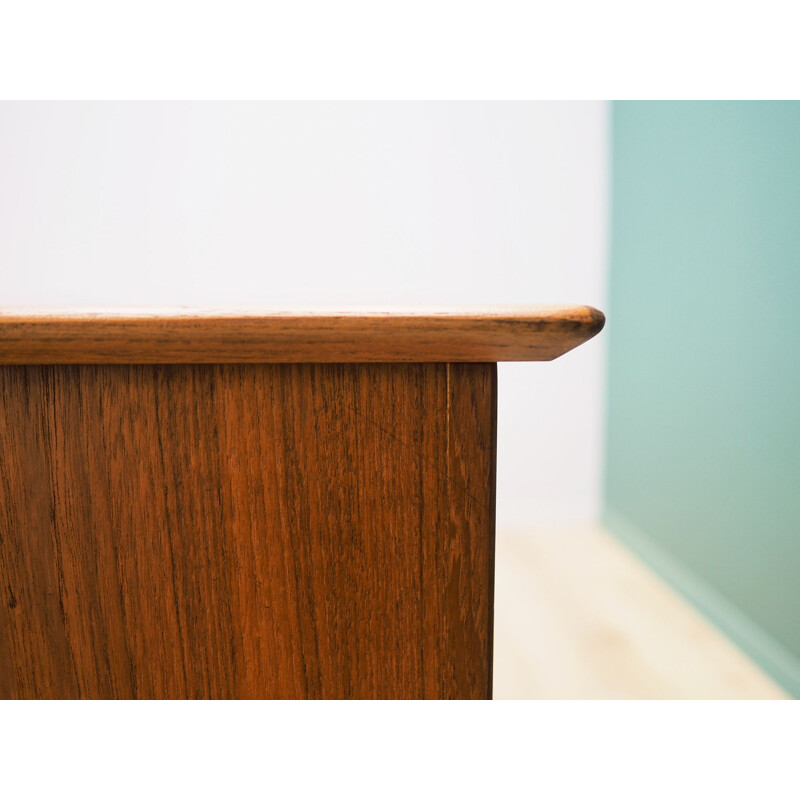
[{"x": 253, "y": 335}]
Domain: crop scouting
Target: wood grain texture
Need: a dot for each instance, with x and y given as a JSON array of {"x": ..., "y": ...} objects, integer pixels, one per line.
[
  {"x": 523, "y": 333},
  {"x": 247, "y": 531}
]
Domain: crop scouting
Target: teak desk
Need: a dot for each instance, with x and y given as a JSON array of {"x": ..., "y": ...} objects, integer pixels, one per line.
[{"x": 254, "y": 505}]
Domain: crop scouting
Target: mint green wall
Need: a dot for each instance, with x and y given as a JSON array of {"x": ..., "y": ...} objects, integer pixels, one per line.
[{"x": 703, "y": 439}]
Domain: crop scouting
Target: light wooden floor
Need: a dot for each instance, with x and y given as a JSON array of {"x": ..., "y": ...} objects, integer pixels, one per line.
[{"x": 577, "y": 616}]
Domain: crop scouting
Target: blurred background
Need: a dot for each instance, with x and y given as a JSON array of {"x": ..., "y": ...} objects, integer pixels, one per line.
[{"x": 649, "y": 482}]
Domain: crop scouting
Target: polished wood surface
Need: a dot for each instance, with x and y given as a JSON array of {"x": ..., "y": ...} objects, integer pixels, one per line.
[
  {"x": 186, "y": 336},
  {"x": 243, "y": 531}
]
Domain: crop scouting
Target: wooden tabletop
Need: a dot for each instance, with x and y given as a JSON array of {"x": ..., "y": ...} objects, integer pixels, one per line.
[{"x": 214, "y": 336}]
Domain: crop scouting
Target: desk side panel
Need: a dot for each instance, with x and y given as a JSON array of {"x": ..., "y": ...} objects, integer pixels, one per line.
[{"x": 247, "y": 531}]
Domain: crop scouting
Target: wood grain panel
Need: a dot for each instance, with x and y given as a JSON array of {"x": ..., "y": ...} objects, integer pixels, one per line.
[
  {"x": 184, "y": 336},
  {"x": 247, "y": 531}
]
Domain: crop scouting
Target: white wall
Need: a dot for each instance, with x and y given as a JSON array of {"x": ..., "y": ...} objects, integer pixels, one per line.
[{"x": 329, "y": 203}]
